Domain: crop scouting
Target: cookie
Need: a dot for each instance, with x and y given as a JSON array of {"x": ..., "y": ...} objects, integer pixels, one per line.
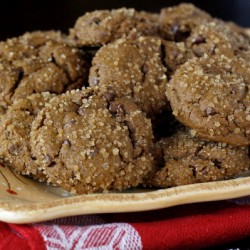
[
  {"x": 133, "y": 68},
  {"x": 211, "y": 95},
  {"x": 9, "y": 77},
  {"x": 15, "y": 130},
  {"x": 217, "y": 37},
  {"x": 90, "y": 142},
  {"x": 175, "y": 54},
  {"x": 189, "y": 160},
  {"x": 176, "y": 23},
  {"x": 104, "y": 26},
  {"x": 241, "y": 35},
  {"x": 39, "y": 62},
  {"x": 26, "y": 45}
]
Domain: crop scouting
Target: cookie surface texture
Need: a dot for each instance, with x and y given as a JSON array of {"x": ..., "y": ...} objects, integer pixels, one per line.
[
  {"x": 15, "y": 129},
  {"x": 88, "y": 142},
  {"x": 104, "y": 26},
  {"x": 188, "y": 160},
  {"x": 39, "y": 62},
  {"x": 133, "y": 68},
  {"x": 211, "y": 95}
]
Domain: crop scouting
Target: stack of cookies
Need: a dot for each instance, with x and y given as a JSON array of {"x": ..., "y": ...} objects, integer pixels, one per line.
[{"x": 127, "y": 98}]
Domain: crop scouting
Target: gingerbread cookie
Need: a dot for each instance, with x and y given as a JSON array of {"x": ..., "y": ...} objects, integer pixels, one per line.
[
  {"x": 90, "y": 142},
  {"x": 188, "y": 160},
  {"x": 104, "y": 26},
  {"x": 211, "y": 96},
  {"x": 133, "y": 68},
  {"x": 15, "y": 129}
]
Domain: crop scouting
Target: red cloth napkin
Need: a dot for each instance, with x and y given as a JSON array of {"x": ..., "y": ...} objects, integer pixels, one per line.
[{"x": 192, "y": 226}]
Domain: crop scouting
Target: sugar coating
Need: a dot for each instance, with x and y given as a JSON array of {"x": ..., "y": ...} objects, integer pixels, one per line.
[
  {"x": 15, "y": 129},
  {"x": 133, "y": 68},
  {"x": 37, "y": 62},
  {"x": 87, "y": 142},
  {"x": 211, "y": 95},
  {"x": 103, "y": 26},
  {"x": 9, "y": 75},
  {"x": 207, "y": 39},
  {"x": 177, "y": 22},
  {"x": 187, "y": 160},
  {"x": 217, "y": 37}
]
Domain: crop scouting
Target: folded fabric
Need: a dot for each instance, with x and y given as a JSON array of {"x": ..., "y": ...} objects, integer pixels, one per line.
[{"x": 192, "y": 226}]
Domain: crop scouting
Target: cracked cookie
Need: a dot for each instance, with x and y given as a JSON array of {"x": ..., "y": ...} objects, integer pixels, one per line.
[
  {"x": 214, "y": 37},
  {"x": 133, "y": 68},
  {"x": 38, "y": 62},
  {"x": 176, "y": 23},
  {"x": 217, "y": 37},
  {"x": 89, "y": 142},
  {"x": 104, "y": 26},
  {"x": 211, "y": 95},
  {"x": 15, "y": 130},
  {"x": 188, "y": 160},
  {"x": 175, "y": 54}
]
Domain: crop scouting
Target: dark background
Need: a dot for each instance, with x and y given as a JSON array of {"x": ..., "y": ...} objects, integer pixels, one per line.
[{"x": 16, "y": 17}]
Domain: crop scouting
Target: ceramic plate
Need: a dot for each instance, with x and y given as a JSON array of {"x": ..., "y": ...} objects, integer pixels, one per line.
[{"x": 23, "y": 200}]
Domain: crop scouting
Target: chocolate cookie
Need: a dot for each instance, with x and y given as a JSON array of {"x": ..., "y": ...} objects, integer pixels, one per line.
[
  {"x": 188, "y": 160},
  {"x": 133, "y": 68},
  {"x": 90, "y": 142},
  {"x": 177, "y": 22},
  {"x": 15, "y": 129},
  {"x": 211, "y": 95},
  {"x": 38, "y": 62},
  {"x": 104, "y": 26}
]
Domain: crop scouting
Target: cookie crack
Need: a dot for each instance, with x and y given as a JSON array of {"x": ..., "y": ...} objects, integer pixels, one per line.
[
  {"x": 217, "y": 163},
  {"x": 131, "y": 133},
  {"x": 80, "y": 109},
  {"x": 17, "y": 82},
  {"x": 118, "y": 27},
  {"x": 96, "y": 78},
  {"x": 198, "y": 150},
  {"x": 144, "y": 71},
  {"x": 193, "y": 169},
  {"x": 53, "y": 60},
  {"x": 119, "y": 111},
  {"x": 163, "y": 61}
]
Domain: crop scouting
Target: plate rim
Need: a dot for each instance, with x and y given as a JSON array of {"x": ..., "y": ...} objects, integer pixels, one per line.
[{"x": 123, "y": 202}]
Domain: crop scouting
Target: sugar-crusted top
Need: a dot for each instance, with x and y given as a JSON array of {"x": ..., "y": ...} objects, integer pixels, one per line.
[
  {"x": 133, "y": 68},
  {"x": 212, "y": 96},
  {"x": 15, "y": 130},
  {"x": 187, "y": 160},
  {"x": 38, "y": 62},
  {"x": 88, "y": 141},
  {"x": 103, "y": 26}
]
